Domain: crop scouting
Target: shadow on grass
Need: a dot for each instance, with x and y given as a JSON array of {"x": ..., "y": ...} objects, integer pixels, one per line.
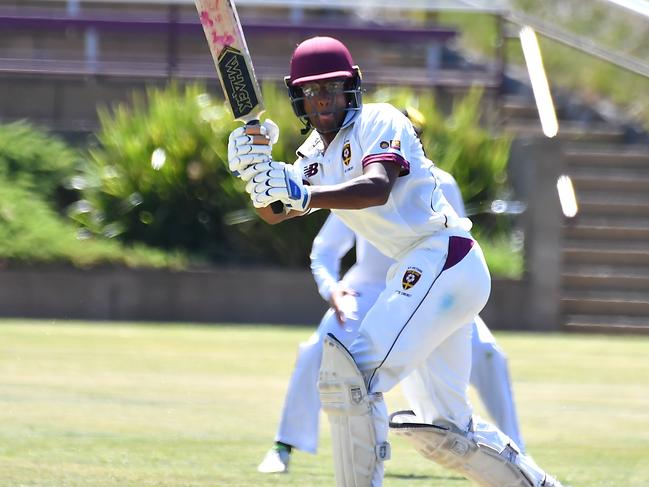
[{"x": 414, "y": 477}]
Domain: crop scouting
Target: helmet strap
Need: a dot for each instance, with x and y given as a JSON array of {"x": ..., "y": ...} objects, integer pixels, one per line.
[{"x": 307, "y": 126}]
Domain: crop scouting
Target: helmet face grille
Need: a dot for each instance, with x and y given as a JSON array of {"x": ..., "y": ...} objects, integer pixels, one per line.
[
  {"x": 322, "y": 58},
  {"x": 353, "y": 96}
]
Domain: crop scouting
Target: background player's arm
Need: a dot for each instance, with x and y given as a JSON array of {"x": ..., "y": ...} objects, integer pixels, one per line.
[
  {"x": 451, "y": 191},
  {"x": 331, "y": 244}
]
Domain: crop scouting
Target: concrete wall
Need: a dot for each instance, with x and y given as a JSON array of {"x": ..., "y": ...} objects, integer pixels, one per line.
[
  {"x": 221, "y": 295},
  {"x": 534, "y": 167}
]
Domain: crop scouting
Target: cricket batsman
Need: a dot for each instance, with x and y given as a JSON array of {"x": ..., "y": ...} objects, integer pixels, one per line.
[
  {"x": 350, "y": 298},
  {"x": 366, "y": 164}
]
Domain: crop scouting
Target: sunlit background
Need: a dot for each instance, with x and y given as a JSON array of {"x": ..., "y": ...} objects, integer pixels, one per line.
[{"x": 116, "y": 204}]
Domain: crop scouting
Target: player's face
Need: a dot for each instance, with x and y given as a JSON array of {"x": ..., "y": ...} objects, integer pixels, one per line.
[{"x": 325, "y": 103}]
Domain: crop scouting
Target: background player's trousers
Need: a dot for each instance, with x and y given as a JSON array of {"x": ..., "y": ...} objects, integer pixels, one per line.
[
  {"x": 299, "y": 423},
  {"x": 490, "y": 376}
]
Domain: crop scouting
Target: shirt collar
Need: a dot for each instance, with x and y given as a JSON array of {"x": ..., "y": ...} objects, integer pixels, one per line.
[{"x": 311, "y": 147}]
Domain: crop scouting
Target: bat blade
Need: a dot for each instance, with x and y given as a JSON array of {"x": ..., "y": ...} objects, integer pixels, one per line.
[
  {"x": 231, "y": 57},
  {"x": 233, "y": 63}
]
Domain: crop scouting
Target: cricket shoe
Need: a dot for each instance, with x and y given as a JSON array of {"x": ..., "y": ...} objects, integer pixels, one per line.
[{"x": 275, "y": 461}]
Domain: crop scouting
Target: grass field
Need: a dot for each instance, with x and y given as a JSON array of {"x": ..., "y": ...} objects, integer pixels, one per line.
[{"x": 161, "y": 405}]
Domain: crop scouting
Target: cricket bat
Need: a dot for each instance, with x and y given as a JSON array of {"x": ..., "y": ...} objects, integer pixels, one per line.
[{"x": 233, "y": 63}]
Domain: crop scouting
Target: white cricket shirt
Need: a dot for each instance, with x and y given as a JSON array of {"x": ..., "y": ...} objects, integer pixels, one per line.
[{"x": 416, "y": 208}]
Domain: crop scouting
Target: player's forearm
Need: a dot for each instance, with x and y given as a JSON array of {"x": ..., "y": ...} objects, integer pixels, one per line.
[
  {"x": 324, "y": 279},
  {"x": 271, "y": 218},
  {"x": 361, "y": 192}
]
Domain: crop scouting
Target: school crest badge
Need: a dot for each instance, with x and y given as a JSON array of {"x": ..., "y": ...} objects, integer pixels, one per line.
[
  {"x": 356, "y": 394},
  {"x": 347, "y": 153},
  {"x": 410, "y": 278}
]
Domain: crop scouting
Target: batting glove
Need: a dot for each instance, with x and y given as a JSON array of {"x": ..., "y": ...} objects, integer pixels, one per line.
[
  {"x": 278, "y": 182},
  {"x": 251, "y": 144}
]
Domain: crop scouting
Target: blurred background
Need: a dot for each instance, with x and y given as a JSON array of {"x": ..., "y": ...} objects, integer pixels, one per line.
[{"x": 116, "y": 202}]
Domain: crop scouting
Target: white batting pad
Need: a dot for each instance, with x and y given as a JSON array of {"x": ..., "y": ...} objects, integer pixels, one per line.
[
  {"x": 344, "y": 398},
  {"x": 481, "y": 456}
]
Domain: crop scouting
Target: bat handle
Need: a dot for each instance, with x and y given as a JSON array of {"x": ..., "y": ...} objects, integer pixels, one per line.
[{"x": 276, "y": 206}]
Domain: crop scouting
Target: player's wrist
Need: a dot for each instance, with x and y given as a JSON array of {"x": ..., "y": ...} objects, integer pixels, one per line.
[{"x": 304, "y": 201}]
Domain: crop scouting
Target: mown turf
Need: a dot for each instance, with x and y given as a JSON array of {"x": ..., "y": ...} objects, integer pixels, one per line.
[{"x": 158, "y": 405}]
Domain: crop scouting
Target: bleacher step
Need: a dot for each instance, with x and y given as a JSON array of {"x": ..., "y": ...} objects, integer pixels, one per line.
[
  {"x": 603, "y": 206},
  {"x": 607, "y": 232},
  {"x": 606, "y": 324},
  {"x": 581, "y": 255},
  {"x": 611, "y": 282},
  {"x": 612, "y": 181},
  {"x": 606, "y": 304},
  {"x": 630, "y": 157}
]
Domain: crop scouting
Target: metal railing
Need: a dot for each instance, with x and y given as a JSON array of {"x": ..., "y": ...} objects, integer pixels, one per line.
[{"x": 630, "y": 63}]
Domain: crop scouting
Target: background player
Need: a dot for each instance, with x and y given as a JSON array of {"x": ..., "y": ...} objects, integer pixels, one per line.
[
  {"x": 366, "y": 164},
  {"x": 350, "y": 298}
]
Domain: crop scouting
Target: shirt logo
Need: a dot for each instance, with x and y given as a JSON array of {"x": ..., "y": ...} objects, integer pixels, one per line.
[
  {"x": 410, "y": 278},
  {"x": 311, "y": 170},
  {"x": 392, "y": 144},
  {"x": 347, "y": 153}
]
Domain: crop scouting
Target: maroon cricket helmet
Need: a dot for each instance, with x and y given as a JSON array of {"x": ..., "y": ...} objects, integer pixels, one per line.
[
  {"x": 323, "y": 58},
  {"x": 320, "y": 58}
]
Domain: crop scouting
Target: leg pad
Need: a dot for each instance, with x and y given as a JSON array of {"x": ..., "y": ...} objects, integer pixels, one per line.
[
  {"x": 344, "y": 398},
  {"x": 452, "y": 448}
]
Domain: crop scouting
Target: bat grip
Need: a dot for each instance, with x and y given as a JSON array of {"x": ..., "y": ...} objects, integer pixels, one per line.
[{"x": 276, "y": 206}]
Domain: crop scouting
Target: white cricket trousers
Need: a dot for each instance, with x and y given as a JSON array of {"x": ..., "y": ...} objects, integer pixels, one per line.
[
  {"x": 419, "y": 325},
  {"x": 299, "y": 422}
]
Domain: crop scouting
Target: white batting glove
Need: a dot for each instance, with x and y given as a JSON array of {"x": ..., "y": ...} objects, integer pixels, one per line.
[
  {"x": 260, "y": 171},
  {"x": 278, "y": 182},
  {"x": 251, "y": 144}
]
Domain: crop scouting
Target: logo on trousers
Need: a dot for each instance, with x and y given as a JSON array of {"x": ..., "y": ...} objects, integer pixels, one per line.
[
  {"x": 356, "y": 394},
  {"x": 410, "y": 278}
]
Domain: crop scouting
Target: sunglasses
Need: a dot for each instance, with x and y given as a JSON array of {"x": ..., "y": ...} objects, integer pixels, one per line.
[{"x": 315, "y": 89}]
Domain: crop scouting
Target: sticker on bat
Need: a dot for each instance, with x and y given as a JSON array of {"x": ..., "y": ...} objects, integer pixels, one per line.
[{"x": 239, "y": 84}]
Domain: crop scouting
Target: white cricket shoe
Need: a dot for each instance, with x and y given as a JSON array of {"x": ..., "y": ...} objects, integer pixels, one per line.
[{"x": 275, "y": 461}]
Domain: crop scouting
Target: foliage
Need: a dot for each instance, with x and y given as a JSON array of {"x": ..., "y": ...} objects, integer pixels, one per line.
[
  {"x": 160, "y": 176},
  {"x": 32, "y": 232},
  {"x": 187, "y": 199},
  {"x": 36, "y": 160},
  {"x": 504, "y": 257}
]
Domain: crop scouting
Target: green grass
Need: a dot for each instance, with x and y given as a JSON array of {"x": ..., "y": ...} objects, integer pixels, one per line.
[{"x": 141, "y": 405}]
